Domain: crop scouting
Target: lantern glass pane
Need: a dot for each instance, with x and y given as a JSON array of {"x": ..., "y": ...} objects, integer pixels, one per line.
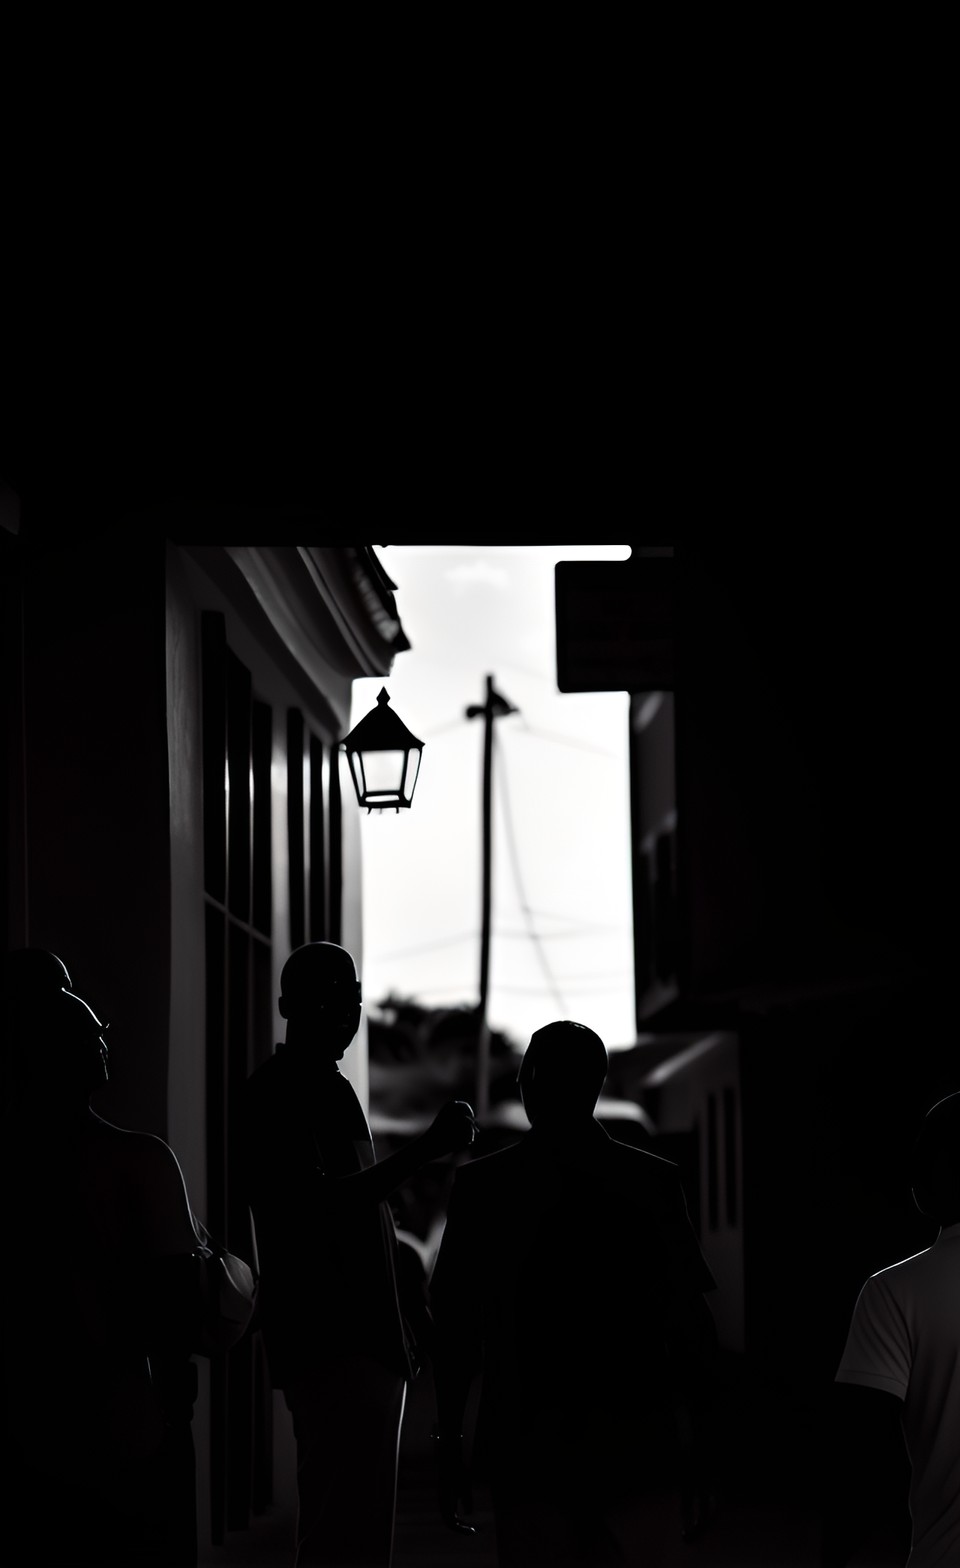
[
  {"x": 413, "y": 768},
  {"x": 356, "y": 763},
  {"x": 383, "y": 772}
]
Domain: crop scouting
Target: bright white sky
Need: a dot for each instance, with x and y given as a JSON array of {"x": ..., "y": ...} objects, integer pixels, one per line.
[{"x": 561, "y": 943}]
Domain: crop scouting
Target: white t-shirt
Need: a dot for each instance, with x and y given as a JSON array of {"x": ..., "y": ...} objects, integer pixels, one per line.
[{"x": 905, "y": 1339}]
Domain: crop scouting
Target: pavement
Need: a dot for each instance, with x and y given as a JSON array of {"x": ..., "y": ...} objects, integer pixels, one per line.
[{"x": 753, "y": 1529}]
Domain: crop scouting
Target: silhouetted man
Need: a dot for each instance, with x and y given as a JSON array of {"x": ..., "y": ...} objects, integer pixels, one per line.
[
  {"x": 569, "y": 1275},
  {"x": 899, "y": 1375},
  {"x": 100, "y": 1313},
  {"x": 334, "y": 1330}
]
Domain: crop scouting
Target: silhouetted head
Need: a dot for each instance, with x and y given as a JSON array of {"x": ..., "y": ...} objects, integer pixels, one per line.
[
  {"x": 57, "y": 1052},
  {"x": 29, "y": 978},
  {"x": 936, "y": 1162},
  {"x": 562, "y": 1072},
  {"x": 320, "y": 999},
  {"x": 30, "y": 972}
]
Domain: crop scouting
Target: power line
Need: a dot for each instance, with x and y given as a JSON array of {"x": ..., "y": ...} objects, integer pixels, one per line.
[
  {"x": 501, "y": 935},
  {"x": 534, "y": 733},
  {"x": 462, "y": 992},
  {"x": 518, "y": 878},
  {"x": 576, "y": 935},
  {"x": 542, "y": 990},
  {"x": 584, "y": 925},
  {"x": 425, "y": 947},
  {"x": 601, "y": 977},
  {"x": 566, "y": 740}
]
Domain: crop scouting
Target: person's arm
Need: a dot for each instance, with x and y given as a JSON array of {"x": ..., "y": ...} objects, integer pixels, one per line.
[
  {"x": 199, "y": 1304},
  {"x": 161, "y": 1225},
  {"x": 166, "y": 1223},
  {"x": 452, "y": 1130}
]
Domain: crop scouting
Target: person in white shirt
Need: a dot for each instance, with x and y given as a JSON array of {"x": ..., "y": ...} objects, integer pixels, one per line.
[{"x": 903, "y": 1349}]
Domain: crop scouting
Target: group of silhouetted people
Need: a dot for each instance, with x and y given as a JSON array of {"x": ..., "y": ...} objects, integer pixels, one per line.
[
  {"x": 580, "y": 1471},
  {"x": 553, "y": 1248}
]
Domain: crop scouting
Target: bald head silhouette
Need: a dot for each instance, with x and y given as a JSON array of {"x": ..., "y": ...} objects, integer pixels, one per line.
[
  {"x": 30, "y": 972},
  {"x": 54, "y": 1037},
  {"x": 320, "y": 999},
  {"x": 562, "y": 1072}
]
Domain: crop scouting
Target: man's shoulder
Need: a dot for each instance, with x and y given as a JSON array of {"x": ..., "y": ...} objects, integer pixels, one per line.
[
  {"x": 623, "y": 1161},
  {"x": 641, "y": 1165},
  {"x": 919, "y": 1271},
  {"x": 267, "y": 1076},
  {"x": 270, "y": 1065},
  {"x": 497, "y": 1162},
  {"x": 267, "y": 1102},
  {"x": 488, "y": 1170}
]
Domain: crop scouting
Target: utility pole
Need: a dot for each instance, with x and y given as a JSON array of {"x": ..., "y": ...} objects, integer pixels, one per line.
[{"x": 494, "y": 707}]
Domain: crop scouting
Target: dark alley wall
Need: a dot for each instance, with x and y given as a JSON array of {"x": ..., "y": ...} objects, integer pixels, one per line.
[
  {"x": 93, "y": 642},
  {"x": 812, "y": 716},
  {"x": 817, "y": 867}
]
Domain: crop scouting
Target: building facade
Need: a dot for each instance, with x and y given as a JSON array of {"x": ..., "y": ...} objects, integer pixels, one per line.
[
  {"x": 792, "y": 843},
  {"x": 174, "y": 827}
]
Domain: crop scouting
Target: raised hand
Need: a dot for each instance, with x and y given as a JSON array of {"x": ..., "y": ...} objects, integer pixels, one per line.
[{"x": 452, "y": 1130}]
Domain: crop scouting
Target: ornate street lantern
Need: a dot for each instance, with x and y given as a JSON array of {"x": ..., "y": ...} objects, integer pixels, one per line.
[{"x": 384, "y": 758}]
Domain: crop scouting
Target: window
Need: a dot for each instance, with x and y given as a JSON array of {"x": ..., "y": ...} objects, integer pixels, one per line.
[
  {"x": 238, "y": 898},
  {"x": 313, "y": 835}
]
